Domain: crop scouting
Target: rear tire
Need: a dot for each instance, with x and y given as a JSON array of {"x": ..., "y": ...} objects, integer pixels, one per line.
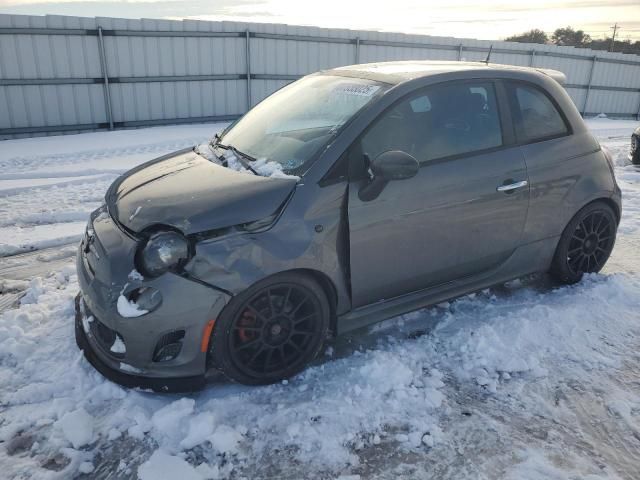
[
  {"x": 271, "y": 331},
  {"x": 585, "y": 244}
]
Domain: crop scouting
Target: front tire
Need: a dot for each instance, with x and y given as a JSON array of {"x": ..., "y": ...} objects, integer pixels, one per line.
[
  {"x": 271, "y": 331},
  {"x": 585, "y": 244}
]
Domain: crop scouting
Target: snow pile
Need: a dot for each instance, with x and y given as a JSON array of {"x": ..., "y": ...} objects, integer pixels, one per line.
[
  {"x": 536, "y": 466},
  {"x": 77, "y": 427},
  {"x": 270, "y": 169},
  {"x": 491, "y": 342},
  {"x": 135, "y": 276},
  {"x": 118, "y": 346},
  {"x": 262, "y": 166},
  {"x": 49, "y": 396},
  {"x": 8, "y": 285},
  {"x": 393, "y": 394},
  {"x": 162, "y": 465},
  {"x": 128, "y": 308},
  {"x": 206, "y": 150}
]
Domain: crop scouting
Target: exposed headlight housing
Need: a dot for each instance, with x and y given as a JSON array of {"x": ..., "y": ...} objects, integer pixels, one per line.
[
  {"x": 162, "y": 252},
  {"x": 258, "y": 225}
]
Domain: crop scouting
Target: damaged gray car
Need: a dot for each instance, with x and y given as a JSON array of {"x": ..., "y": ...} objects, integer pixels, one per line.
[{"x": 348, "y": 197}]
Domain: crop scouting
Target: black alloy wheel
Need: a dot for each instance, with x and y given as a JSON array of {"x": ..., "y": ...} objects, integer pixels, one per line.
[
  {"x": 272, "y": 330},
  {"x": 586, "y": 243}
]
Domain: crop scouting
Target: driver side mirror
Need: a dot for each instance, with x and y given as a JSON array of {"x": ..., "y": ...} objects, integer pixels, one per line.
[
  {"x": 391, "y": 165},
  {"x": 394, "y": 165}
]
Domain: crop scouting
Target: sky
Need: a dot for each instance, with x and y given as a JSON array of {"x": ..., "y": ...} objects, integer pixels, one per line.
[{"x": 486, "y": 19}]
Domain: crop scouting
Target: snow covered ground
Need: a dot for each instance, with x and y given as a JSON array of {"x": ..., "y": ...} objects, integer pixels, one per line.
[
  {"x": 524, "y": 381},
  {"x": 49, "y": 185}
]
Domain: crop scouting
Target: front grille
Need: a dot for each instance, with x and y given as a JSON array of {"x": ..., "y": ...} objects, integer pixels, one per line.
[
  {"x": 89, "y": 249},
  {"x": 92, "y": 247}
]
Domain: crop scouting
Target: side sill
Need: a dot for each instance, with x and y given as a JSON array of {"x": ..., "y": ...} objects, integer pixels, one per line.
[{"x": 541, "y": 250}]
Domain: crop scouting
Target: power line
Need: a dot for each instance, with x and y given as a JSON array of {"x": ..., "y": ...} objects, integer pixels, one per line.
[{"x": 613, "y": 38}]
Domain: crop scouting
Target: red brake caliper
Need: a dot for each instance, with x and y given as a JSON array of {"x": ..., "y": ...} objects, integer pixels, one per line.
[{"x": 248, "y": 319}]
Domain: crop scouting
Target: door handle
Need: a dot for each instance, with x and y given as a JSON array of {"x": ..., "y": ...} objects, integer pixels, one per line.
[{"x": 512, "y": 186}]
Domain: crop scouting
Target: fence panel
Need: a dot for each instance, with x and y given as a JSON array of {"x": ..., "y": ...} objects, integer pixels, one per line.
[{"x": 66, "y": 74}]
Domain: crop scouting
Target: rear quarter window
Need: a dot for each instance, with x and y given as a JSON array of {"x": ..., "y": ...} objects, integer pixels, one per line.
[{"x": 537, "y": 117}]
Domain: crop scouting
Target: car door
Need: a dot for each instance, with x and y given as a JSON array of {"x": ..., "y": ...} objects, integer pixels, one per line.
[
  {"x": 463, "y": 213},
  {"x": 557, "y": 158}
]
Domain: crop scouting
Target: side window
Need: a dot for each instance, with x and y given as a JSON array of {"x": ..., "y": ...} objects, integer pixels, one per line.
[
  {"x": 537, "y": 117},
  {"x": 440, "y": 121}
]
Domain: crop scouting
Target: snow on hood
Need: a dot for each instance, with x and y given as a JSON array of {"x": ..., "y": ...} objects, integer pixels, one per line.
[{"x": 264, "y": 167}]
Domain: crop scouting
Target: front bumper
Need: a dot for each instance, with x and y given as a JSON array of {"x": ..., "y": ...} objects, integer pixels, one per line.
[
  {"x": 104, "y": 262},
  {"x": 160, "y": 384}
]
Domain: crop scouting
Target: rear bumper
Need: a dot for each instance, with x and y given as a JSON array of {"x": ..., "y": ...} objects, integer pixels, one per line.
[{"x": 175, "y": 385}]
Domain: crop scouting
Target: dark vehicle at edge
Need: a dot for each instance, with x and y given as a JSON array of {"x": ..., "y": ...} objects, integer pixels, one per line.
[{"x": 634, "y": 154}]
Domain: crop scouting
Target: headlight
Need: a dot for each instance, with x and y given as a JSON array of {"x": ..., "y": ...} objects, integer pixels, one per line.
[{"x": 163, "y": 251}]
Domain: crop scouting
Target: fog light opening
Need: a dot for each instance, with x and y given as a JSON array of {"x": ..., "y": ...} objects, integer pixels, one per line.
[
  {"x": 168, "y": 352},
  {"x": 169, "y": 346}
]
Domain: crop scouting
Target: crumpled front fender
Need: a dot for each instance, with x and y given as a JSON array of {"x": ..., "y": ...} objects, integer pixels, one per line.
[{"x": 308, "y": 235}]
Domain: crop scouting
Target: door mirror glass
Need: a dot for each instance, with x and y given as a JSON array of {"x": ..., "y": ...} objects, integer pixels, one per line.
[{"x": 394, "y": 165}]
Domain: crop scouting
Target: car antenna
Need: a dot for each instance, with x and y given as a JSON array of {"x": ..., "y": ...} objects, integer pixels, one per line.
[{"x": 488, "y": 55}]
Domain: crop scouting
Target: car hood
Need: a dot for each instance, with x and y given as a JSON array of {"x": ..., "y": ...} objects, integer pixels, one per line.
[{"x": 188, "y": 192}]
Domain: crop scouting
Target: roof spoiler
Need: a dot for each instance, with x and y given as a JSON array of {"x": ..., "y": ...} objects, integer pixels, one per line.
[{"x": 559, "y": 77}]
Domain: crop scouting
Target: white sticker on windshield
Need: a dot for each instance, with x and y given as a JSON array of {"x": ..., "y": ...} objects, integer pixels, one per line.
[{"x": 357, "y": 89}]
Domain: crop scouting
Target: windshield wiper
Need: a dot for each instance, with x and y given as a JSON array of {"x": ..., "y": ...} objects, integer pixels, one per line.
[
  {"x": 215, "y": 140},
  {"x": 242, "y": 157}
]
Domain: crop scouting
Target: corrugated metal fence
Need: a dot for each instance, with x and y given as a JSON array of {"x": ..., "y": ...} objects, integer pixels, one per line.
[{"x": 67, "y": 74}]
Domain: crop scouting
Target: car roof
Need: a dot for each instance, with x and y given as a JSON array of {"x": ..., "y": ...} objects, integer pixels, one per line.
[{"x": 399, "y": 72}]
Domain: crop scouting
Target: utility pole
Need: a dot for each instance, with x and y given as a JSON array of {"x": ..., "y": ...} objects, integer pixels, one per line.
[{"x": 613, "y": 38}]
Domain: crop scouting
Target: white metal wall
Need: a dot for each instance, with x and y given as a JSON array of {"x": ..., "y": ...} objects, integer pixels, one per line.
[{"x": 61, "y": 73}]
